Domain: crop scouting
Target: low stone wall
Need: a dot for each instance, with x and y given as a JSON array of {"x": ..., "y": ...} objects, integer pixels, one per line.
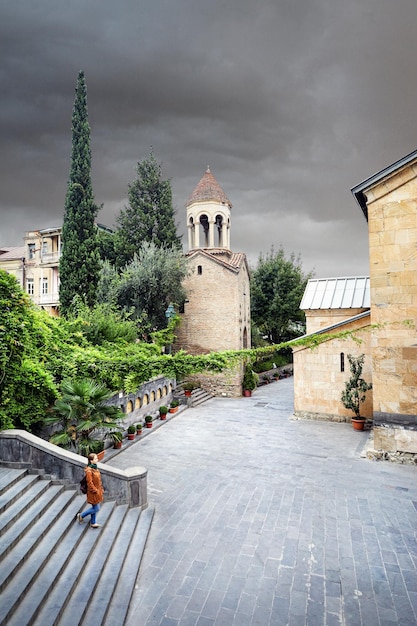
[
  {"x": 145, "y": 401},
  {"x": 320, "y": 417},
  {"x": 393, "y": 438},
  {"x": 20, "y": 449}
]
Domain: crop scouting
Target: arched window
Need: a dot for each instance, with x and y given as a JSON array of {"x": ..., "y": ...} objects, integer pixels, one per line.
[
  {"x": 199, "y": 269},
  {"x": 205, "y": 225},
  {"x": 129, "y": 407},
  {"x": 219, "y": 228},
  {"x": 245, "y": 337},
  {"x": 342, "y": 361}
]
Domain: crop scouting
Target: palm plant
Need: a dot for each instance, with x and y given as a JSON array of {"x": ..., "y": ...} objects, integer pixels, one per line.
[{"x": 81, "y": 412}]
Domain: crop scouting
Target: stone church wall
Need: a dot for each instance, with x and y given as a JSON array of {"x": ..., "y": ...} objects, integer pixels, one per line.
[
  {"x": 319, "y": 381},
  {"x": 392, "y": 217}
]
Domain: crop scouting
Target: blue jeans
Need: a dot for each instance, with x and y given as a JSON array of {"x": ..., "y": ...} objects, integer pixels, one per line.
[{"x": 93, "y": 512}]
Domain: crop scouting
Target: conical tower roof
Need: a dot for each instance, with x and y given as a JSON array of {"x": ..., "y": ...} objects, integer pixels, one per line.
[{"x": 208, "y": 189}]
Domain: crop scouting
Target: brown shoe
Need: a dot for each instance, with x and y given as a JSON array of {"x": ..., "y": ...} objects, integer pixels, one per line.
[{"x": 80, "y": 518}]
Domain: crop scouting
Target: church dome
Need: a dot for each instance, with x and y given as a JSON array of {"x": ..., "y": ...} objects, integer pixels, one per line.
[{"x": 208, "y": 189}]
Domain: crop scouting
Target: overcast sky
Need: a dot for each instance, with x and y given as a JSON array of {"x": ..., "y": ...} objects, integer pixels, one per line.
[{"x": 290, "y": 102}]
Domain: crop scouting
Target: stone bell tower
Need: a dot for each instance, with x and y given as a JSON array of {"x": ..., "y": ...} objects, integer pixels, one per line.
[
  {"x": 216, "y": 312},
  {"x": 208, "y": 215}
]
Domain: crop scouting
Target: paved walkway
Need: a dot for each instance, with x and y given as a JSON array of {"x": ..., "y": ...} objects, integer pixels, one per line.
[{"x": 266, "y": 521}]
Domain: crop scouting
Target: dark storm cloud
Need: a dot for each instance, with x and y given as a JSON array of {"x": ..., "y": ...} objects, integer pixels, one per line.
[{"x": 290, "y": 103}]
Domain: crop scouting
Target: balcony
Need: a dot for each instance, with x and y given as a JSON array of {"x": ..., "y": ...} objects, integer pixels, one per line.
[
  {"x": 50, "y": 258},
  {"x": 49, "y": 299}
]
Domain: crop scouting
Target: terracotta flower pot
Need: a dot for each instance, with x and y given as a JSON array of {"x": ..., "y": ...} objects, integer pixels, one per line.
[
  {"x": 162, "y": 416},
  {"x": 358, "y": 424},
  {"x": 187, "y": 392},
  {"x": 148, "y": 424},
  {"x": 247, "y": 393},
  {"x": 131, "y": 436}
]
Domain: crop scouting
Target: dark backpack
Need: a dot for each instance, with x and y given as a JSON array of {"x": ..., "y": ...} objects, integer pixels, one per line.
[{"x": 83, "y": 485}]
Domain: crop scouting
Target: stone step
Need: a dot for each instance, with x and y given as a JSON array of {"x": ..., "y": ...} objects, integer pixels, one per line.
[
  {"x": 9, "y": 476},
  {"x": 119, "y": 606},
  {"x": 32, "y": 490},
  {"x": 18, "y": 543},
  {"x": 54, "y": 570},
  {"x": 86, "y": 567},
  {"x": 198, "y": 396}
]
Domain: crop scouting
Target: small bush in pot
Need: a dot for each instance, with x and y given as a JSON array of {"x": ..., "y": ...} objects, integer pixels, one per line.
[
  {"x": 250, "y": 380},
  {"x": 131, "y": 431},
  {"x": 173, "y": 407},
  {"x": 163, "y": 410},
  {"x": 148, "y": 421}
]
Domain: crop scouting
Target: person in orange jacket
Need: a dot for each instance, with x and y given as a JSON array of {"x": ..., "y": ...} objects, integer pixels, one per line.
[{"x": 94, "y": 491}]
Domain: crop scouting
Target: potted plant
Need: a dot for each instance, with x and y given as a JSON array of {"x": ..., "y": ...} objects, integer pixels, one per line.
[
  {"x": 163, "y": 410},
  {"x": 173, "y": 407},
  {"x": 355, "y": 390},
  {"x": 189, "y": 387},
  {"x": 139, "y": 428},
  {"x": 266, "y": 379},
  {"x": 250, "y": 381},
  {"x": 94, "y": 445},
  {"x": 117, "y": 438},
  {"x": 131, "y": 431},
  {"x": 148, "y": 421}
]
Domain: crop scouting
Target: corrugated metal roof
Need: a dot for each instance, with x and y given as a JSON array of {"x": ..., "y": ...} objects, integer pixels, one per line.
[{"x": 337, "y": 293}]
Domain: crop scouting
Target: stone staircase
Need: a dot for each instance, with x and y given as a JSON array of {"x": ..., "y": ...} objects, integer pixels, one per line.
[
  {"x": 198, "y": 396},
  {"x": 54, "y": 570}
]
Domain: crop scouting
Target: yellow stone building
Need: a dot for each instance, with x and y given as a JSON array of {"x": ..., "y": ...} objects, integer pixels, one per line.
[
  {"x": 388, "y": 200},
  {"x": 35, "y": 266}
]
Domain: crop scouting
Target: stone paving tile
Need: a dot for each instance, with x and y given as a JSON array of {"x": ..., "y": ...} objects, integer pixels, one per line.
[{"x": 264, "y": 520}]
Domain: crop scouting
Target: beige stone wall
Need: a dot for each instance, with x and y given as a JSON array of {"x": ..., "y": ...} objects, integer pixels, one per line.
[
  {"x": 395, "y": 439},
  {"x": 227, "y": 384},
  {"x": 13, "y": 267},
  {"x": 217, "y": 310},
  {"x": 322, "y": 318},
  {"x": 392, "y": 215},
  {"x": 319, "y": 382}
]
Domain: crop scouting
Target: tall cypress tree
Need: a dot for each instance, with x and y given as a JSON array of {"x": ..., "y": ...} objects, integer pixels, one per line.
[
  {"x": 149, "y": 217},
  {"x": 79, "y": 264}
]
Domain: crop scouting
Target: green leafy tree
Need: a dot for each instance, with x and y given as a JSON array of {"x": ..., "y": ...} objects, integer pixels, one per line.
[
  {"x": 105, "y": 241},
  {"x": 26, "y": 386},
  {"x": 80, "y": 413},
  {"x": 149, "y": 216},
  {"x": 149, "y": 283},
  {"x": 102, "y": 323},
  {"x": 80, "y": 262},
  {"x": 356, "y": 387},
  {"x": 277, "y": 286}
]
